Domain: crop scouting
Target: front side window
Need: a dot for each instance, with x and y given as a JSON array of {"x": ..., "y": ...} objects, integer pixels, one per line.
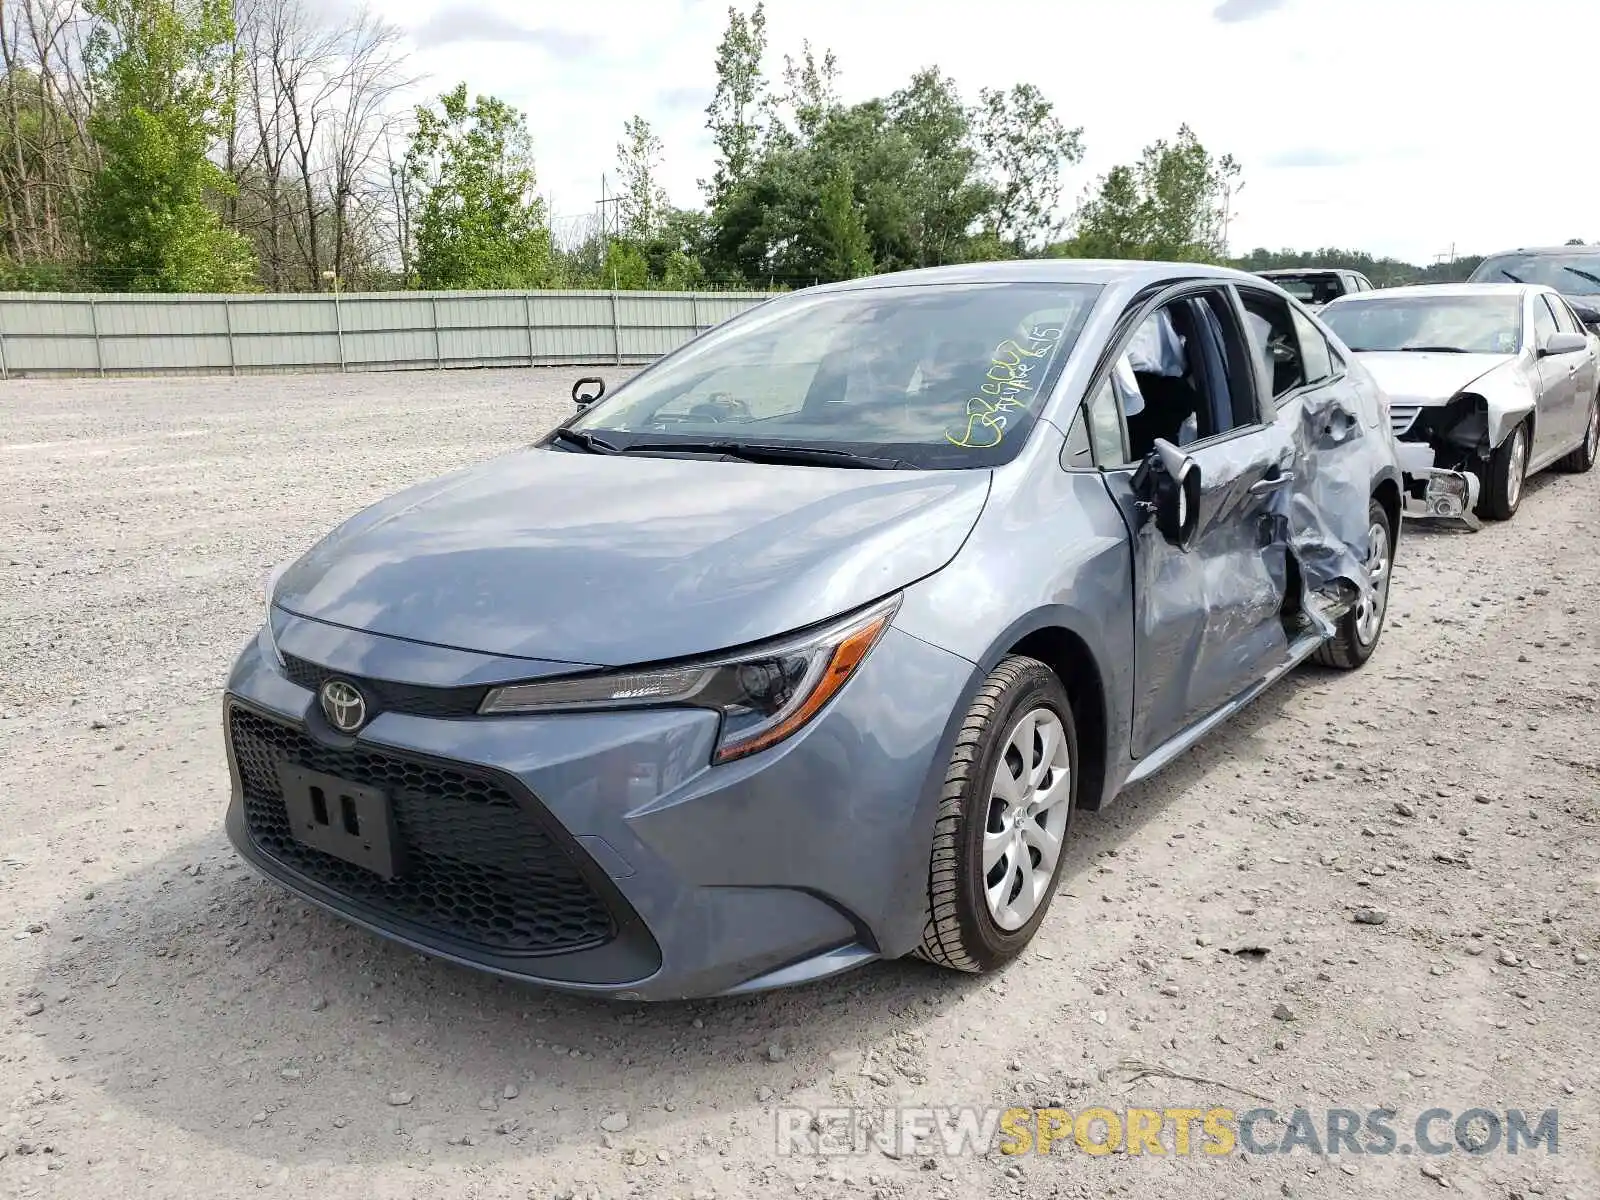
[
  {"x": 936, "y": 376},
  {"x": 1565, "y": 321},
  {"x": 1487, "y": 324},
  {"x": 1544, "y": 322}
]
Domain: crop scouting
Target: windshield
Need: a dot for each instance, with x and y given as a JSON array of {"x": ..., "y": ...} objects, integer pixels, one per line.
[
  {"x": 1574, "y": 274},
  {"x": 1311, "y": 289},
  {"x": 944, "y": 376},
  {"x": 1467, "y": 324}
]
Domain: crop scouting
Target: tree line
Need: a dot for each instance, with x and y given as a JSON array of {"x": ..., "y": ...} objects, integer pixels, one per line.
[{"x": 224, "y": 145}]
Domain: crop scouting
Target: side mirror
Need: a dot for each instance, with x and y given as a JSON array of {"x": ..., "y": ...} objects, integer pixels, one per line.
[
  {"x": 1563, "y": 343},
  {"x": 1169, "y": 483},
  {"x": 587, "y": 390}
]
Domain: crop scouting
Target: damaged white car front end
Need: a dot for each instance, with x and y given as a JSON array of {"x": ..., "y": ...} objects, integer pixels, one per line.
[{"x": 1449, "y": 413}]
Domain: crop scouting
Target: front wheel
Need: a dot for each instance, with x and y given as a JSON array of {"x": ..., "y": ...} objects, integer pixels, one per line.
[
  {"x": 1002, "y": 825},
  {"x": 1581, "y": 460},
  {"x": 1508, "y": 471},
  {"x": 1358, "y": 631}
]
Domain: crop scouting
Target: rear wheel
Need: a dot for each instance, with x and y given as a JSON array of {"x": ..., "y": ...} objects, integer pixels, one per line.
[
  {"x": 1582, "y": 459},
  {"x": 1508, "y": 471},
  {"x": 1359, "y": 629},
  {"x": 1002, "y": 826}
]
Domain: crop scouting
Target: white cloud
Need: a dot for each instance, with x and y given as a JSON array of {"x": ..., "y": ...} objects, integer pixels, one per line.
[{"x": 1394, "y": 127}]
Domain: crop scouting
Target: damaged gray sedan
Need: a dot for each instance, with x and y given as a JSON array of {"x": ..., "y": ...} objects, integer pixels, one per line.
[
  {"x": 1487, "y": 384},
  {"x": 800, "y": 648}
]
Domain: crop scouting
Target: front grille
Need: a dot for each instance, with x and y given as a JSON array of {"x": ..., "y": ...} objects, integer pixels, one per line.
[
  {"x": 383, "y": 696},
  {"x": 1401, "y": 417},
  {"x": 478, "y": 868}
]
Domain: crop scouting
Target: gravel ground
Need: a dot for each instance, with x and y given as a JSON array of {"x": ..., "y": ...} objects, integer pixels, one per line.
[{"x": 172, "y": 1026}]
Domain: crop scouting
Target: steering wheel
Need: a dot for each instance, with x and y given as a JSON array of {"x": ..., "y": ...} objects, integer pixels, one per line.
[{"x": 722, "y": 406}]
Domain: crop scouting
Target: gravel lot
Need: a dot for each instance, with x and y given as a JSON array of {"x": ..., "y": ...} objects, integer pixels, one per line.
[{"x": 171, "y": 1026}]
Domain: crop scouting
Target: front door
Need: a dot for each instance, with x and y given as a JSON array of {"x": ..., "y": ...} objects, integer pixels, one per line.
[
  {"x": 1207, "y": 620},
  {"x": 1553, "y": 425}
]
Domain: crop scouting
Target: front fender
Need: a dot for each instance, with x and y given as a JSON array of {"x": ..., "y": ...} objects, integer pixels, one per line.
[{"x": 1509, "y": 399}]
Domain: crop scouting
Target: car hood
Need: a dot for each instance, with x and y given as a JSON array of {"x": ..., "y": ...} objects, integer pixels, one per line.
[
  {"x": 611, "y": 560},
  {"x": 1412, "y": 377}
]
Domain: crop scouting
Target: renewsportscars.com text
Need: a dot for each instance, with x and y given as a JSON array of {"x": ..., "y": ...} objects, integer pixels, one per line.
[{"x": 1178, "y": 1132}]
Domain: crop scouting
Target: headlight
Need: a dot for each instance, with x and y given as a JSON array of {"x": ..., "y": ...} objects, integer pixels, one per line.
[
  {"x": 268, "y": 587},
  {"x": 764, "y": 694}
]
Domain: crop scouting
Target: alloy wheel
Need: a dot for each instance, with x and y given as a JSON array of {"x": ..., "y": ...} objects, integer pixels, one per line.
[
  {"x": 1517, "y": 465},
  {"x": 1029, "y": 804},
  {"x": 1369, "y": 613}
]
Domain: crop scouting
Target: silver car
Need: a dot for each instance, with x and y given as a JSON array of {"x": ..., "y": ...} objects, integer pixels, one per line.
[
  {"x": 1487, "y": 384},
  {"x": 800, "y": 648}
]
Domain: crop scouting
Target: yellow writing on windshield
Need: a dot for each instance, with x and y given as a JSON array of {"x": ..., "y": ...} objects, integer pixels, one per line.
[{"x": 1007, "y": 384}]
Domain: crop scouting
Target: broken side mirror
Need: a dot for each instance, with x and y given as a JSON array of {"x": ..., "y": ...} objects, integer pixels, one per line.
[
  {"x": 1168, "y": 483},
  {"x": 587, "y": 390}
]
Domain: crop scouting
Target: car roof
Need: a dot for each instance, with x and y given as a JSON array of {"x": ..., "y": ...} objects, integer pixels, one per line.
[
  {"x": 1448, "y": 289},
  {"x": 1137, "y": 272},
  {"x": 1308, "y": 271},
  {"x": 1537, "y": 250}
]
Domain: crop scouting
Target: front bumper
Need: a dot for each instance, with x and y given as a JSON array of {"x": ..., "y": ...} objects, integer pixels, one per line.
[
  {"x": 1433, "y": 493},
  {"x": 606, "y": 855}
]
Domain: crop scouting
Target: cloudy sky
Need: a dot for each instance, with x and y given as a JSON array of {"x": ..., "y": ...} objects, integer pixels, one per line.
[{"x": 1397, "y": 126}]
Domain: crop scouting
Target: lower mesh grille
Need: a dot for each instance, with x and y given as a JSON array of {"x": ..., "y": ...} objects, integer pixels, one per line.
[{"x": 478, "y": 867}]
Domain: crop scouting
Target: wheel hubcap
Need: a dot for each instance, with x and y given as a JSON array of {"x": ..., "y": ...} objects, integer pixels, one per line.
[
  {"x": 1029, "y": 803},
  {"x": 1518, "y": 465},
  {"x": 1591, "y": 443},
  {"x": 1369, "y": 613}
]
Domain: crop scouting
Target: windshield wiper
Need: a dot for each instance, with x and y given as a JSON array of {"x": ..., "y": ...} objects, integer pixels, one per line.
[
  {"x": 815, "y": 456},
  {"x": 1436, "y": 349},
  {"x": 585, "y": 440},
  {"x": 1581, "y": 274},
  {"x": 1510, "y": 276}
]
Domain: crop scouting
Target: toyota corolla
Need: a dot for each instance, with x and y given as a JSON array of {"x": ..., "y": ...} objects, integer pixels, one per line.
[{"x": 800, "y": 648}]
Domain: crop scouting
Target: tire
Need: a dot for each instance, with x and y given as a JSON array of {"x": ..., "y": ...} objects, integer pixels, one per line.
[
  {"x": 1506, "y": 475},
  {"x": 1360, "y": 629},
  {"x": 965, "y": 931},
  {"x": 1581, "y": 460}
]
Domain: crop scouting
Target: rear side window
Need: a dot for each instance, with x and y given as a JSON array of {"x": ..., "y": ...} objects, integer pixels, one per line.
[
  {"x": 1273, "y": 338},
  {"x": 1315, "y": 356}
]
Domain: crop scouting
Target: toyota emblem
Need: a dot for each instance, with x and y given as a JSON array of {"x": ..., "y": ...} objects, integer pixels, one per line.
[{"x": 343, "y": 705}]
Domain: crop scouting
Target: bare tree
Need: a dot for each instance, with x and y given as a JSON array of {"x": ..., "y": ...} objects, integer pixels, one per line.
[
  {"x": 47, "y": 153},
  {"x": 373, "y": 65}
]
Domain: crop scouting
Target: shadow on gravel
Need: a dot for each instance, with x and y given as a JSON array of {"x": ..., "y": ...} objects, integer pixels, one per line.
[{"x": 201, "y": 997}]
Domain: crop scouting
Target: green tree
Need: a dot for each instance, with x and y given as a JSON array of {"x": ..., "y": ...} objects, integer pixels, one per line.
[
  {"x": 740, "y": 106},
  {"x": 941, "y": 189},
  {"x": 1112, "y": 223},
  {"x": 810, "y": 91},
  {"x": 840, "y": 233},
  {"x": 1171, "y": 205},
  {"x": 644, "y": 201},
  {"x": 626, "y": 268},
  {"x": 1025, "y": 150},
  {"x": 160, "y": 69},
  {"x": 478, "y": 222}
]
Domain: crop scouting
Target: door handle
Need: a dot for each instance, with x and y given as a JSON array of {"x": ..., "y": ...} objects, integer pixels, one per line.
[{"x": 1262, "y": 486}]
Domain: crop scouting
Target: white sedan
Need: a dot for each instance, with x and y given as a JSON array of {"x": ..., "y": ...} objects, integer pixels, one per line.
[{"x": 1487, "y": 384}]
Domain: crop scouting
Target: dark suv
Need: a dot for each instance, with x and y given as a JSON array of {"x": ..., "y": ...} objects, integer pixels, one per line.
[
  {"x": 1316, "y": 286},
  {"x": 1574, "y": 271}
]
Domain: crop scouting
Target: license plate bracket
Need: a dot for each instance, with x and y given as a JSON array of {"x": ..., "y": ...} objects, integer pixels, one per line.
[{"x": 344, "y": 819}]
